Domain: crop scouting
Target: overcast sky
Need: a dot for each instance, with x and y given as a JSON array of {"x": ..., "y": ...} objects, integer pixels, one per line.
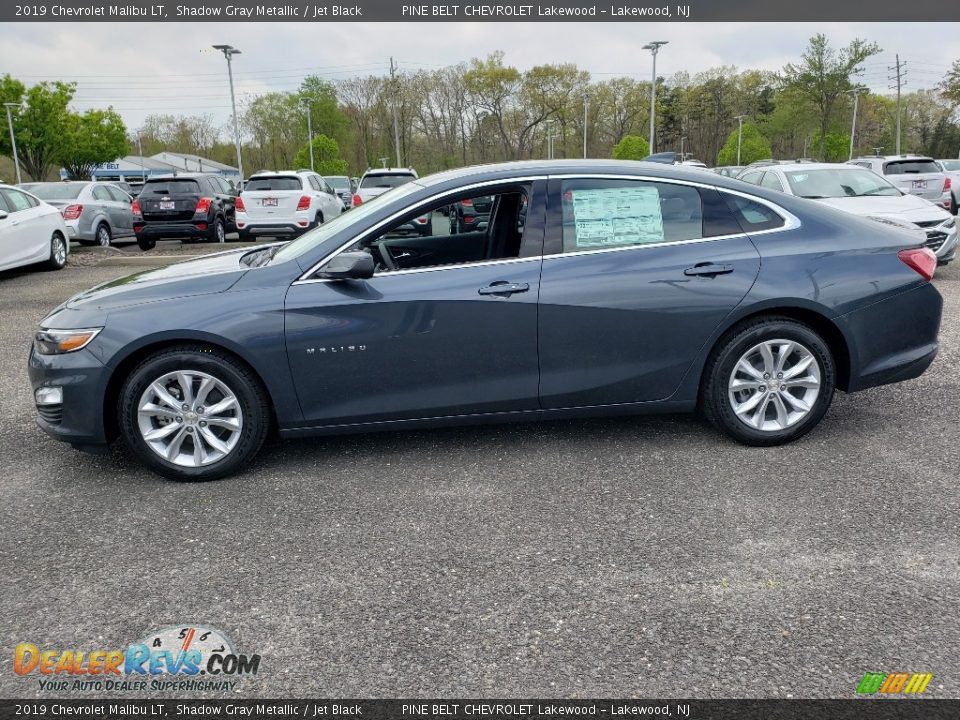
[{"x": 163, "y": 68}]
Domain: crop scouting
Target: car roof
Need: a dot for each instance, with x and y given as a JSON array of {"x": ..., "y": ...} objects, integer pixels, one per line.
[
  {"x": 181, "y": 176},
  {"x": 807, "y": 166},
  {"x": 894, "y": 157},
  {"x": 390, "y": 171}
]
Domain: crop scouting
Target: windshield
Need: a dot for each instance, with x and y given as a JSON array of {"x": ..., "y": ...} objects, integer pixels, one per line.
[
  {"x": 392, "y": 180},
  {"x": 842, "y": 182},
  {"x": 308, "y": 241},
  {"x": 273, "y": 183},
  {"x": 340, "y": 183},
  {"x": 169, "y": 187},
  {"x": 950, "y": 164},
  {"x": 58, "y": 191}
]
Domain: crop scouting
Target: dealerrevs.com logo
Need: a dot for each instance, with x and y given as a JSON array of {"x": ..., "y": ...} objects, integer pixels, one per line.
[
  {"x": 186, "y": 657},
  {"x": 896, "y": 683}
]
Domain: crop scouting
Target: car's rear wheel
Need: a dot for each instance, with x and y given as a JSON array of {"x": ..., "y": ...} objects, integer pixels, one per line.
[
  {"x": 769, "y": 381},
  {"x": 193, "y": 413},
  {"x": 58, "y": 253},
  {"x": 103, "y": 235},
  {"x": 218, "y": 231},
  {"x": 146, "y": 243}
]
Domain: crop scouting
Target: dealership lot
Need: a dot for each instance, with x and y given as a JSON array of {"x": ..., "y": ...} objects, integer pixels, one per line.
[{"x": 641, "y": 557}]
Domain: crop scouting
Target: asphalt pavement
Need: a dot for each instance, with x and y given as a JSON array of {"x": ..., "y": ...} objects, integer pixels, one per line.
[{"x": 628, "y": 557}]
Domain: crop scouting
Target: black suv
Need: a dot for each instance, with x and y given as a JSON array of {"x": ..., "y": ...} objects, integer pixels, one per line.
[
  {"x": 470, "y": 215},
  {"x": 190, "y": 206}
]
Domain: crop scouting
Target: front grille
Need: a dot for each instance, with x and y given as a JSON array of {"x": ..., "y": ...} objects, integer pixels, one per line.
[
  {"x": 935, "y": 239},
  {"x": 53, "y": 414}
]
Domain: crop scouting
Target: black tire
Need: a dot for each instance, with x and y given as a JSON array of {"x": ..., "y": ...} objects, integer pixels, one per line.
[
  {"x": 318, "y": 220},
  {"x": 218, "y": 231},
  {"x": 104, "y": 238},
  {"x": 244, "y": 235},
  {"x": 714, "y": 397},
  {"x": 953, "y": 206},
  {"x": 146, "y": 243},
  {"x": 252, "y": 397},
  {"x": 454, "y": 224},
  {"x": 58, "y": 253}
]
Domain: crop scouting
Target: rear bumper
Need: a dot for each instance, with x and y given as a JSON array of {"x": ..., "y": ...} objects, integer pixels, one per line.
[
  {"x": 156, "y": 230},
  {"x": 273, "y": 228},
  {"x": 894, "y": 339}
]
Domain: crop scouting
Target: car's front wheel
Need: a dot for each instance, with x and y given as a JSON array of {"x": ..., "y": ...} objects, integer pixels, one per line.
[
  {"x": 193, "y": 413},
  {"x": 769, "y": 381}
]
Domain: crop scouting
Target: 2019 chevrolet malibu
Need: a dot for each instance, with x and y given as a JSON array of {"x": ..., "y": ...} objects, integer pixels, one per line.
[{"x": 596, "y": 288}]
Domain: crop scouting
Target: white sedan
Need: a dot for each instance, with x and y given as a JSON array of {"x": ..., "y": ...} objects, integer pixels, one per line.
[
  {"x": 31, "y": 231},
  {"x": 860, "y": 191}
]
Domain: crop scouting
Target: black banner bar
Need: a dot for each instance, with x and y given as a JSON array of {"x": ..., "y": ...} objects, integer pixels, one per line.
[
  {"x": 319, "y": 11},
  {"x": 901, "y": 708}
]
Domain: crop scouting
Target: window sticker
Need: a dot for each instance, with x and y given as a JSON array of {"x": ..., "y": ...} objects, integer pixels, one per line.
[{"x": 612, "y": 217}]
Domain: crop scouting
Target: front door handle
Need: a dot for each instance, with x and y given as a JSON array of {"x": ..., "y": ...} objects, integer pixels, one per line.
[
  {"x": 708, "y": 269},
  {"x": 502, "y": 287}
]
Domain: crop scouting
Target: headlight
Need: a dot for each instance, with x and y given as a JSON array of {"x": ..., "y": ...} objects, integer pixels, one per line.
[{"x": 58, "y": 342}]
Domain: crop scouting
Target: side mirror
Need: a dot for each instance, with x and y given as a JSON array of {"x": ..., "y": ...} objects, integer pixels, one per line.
[
  {"x": 349, "y": 266},
  {"x": 4, "y": 214}
]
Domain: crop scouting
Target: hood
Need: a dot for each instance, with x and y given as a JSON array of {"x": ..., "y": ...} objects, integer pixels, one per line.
[
  {"x": 203, "y": 276},
  {"x": 909, "y": 208}
]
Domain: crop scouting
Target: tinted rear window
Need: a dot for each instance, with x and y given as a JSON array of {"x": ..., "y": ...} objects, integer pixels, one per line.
[
  {"x": 390, "y": 181},
  {"x": 170, "y": 187},
  {"x": 913, "y": 167},
  {"x": 340, "y": 183},
  {"x": 274, "y": 183},
  {"x": 58, "y": 191}
]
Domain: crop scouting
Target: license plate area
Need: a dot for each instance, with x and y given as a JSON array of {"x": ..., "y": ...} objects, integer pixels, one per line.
[
  {"x": 268, "y": 202},
  {"x": 168, "y": 205},
  {"x": 918, "y": 185}
]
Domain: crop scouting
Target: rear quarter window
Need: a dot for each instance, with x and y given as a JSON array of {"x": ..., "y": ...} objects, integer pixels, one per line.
[{"x": 753, "y": 216}]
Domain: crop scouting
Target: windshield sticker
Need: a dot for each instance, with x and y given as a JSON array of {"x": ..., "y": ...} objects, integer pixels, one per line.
[{"x": 617, "y": 216}]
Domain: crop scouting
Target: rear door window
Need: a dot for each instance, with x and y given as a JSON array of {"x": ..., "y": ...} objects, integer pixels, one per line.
[
  {"x": 100, "y": 193},
  {"x": 314, "y": 183},
  {"x": 771, "y": 181},
  {"x": 19, "y": 201},
  {"x": 117, "y": 194},
  {"x": 752, "y": 177}
]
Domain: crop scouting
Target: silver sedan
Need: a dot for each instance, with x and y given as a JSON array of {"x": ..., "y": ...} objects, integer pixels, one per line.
[{"x": 96, "y": 213}]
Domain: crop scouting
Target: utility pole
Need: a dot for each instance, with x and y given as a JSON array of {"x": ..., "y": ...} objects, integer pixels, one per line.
[
  {"x": 396, "y": 127},
  {"x": 307, "y": 104},
  {"x": 739, "y": 119},
  {"x": 13, "y": 140},
  {"x": 586, "y": 102},
  {"x": 143, "y": 170},
  {"x": 853, "y": 128},
  {"x": 654, "y": 48},
  {"x": 900, "y": 69},
  {"x": 228, "y": 52}
]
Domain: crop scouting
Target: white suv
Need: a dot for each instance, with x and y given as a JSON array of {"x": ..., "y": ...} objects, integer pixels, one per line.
[
  {"x": 285, "y": 203},
  {"x": 376, "y": 182},
  {"x": 914, "y": 174}
]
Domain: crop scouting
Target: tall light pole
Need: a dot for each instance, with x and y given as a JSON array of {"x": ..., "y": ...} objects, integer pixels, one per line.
[
  {"x": 307, "y": 104},
  {"x": 654, "y": 48},
  {"x": 13, "y": 139},
  {"x": 586, "y": 104},
  {"x": 853, "y": 128},
  {"x": 228, "y": 52},
  {"x": 739, "y": 119}
]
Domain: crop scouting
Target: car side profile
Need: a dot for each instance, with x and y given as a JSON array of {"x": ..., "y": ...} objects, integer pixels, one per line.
[
  {"x": 597, "y": 288},
  {"x": 96, "y": 213},
  {"x": 32, "y": 232}
]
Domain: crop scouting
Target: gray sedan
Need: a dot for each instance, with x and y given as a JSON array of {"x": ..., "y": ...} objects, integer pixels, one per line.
[{"x": 95, "y": 213}]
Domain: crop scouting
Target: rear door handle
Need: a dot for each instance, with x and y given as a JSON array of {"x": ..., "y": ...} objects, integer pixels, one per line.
[
  {"x": 708, "y": 269},
  {"x": 502, "y": 287}
]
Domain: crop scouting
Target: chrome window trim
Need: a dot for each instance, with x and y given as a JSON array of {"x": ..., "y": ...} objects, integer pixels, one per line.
[{"x": 791, "y": 222}]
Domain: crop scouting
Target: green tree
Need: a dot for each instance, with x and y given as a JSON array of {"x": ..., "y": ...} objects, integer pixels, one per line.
[
  {"x": 95, "y": 137},
  {"x": 326, "y": 157},
  {"x": 823, "y": 75},
  {"x": 11, "y": 91},
  {"x": 632, "y": 147},
  {"x": 836, "y": 146},
  {"x": 950, "y": 85},
  {"x": 39, "y": 126},
  {"x": 753, "y": 146}
]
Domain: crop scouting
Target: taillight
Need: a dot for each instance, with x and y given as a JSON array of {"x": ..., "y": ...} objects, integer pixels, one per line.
[
  {"x": 357, "y": 200},
  {"x": 203, "y": 205},
  {"x": 467, "y": 203},
  {"x": 72, "y": 212},
  {"x": 946, "y": 184},
  {"x": 240, "y": 207},
  {"x": 304, "y": 203},
  {"x": 920, "y": 259},
  {"x": 135, "y": 207},
  {"x": 467, "y": 219}
]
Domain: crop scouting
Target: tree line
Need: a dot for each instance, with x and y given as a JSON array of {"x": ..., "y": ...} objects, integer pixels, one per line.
[{"x": 486, "y": 110}]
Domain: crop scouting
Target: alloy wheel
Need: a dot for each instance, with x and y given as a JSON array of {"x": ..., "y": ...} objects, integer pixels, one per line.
[
  {"x": 103, "y": 236},
  {"x": 59, "y": 251},
  {"x": 774, "y": 385},
  {"x": 190, "y": 418}
]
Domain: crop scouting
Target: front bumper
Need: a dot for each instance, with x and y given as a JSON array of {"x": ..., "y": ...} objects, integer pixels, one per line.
[{"x": 79, "y": 420}]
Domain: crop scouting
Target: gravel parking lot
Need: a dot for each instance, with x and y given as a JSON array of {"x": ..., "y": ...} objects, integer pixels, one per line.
[{"x": 632, "y": 557}]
